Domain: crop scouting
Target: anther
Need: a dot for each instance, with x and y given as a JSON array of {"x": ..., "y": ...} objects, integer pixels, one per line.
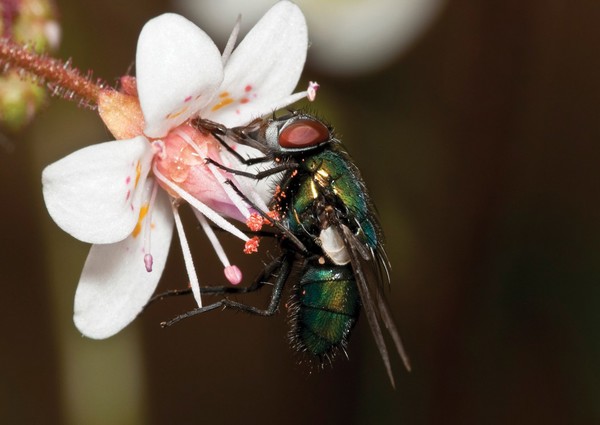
[
  {"x": 148, "y": 261},
  {"x": 255, "y": 222},
  {"x": 251, "y": 245},
  {"x": 233, "y": 274},
  {"x": 311, "y": 92}
]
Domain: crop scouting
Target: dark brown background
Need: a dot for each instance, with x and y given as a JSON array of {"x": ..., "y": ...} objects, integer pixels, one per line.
[{"x": 481, "y": 148}]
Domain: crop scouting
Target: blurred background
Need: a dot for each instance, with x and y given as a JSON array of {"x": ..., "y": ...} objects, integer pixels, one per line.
[{"x": 478, "y": 135}]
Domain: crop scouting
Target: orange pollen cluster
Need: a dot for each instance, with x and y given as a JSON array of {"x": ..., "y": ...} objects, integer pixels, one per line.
[
  {"x": 278, "y": 194},
  {"x": 255, "y": 222},
  {"x": 274, "y": 215},
  {"x": 251, "y": 245}
]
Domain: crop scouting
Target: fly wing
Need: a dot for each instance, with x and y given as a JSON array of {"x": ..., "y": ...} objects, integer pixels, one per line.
[{"x": 374, "y": 305}]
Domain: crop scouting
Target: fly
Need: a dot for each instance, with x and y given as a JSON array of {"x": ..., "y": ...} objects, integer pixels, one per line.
[{"x": 326, "y": 225}]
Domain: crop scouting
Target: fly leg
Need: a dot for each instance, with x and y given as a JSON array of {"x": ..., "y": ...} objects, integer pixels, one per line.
[
  {"x": 275, "y": 223},
  {"x": 281, "y": 267},
  {"x": 238, "y": 134},
  {"x": 258, "y": 283},
  {"x": 256, "y": 176}
]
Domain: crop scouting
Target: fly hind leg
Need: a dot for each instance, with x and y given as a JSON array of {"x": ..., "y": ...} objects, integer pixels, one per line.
[
  {"x": 280, "y": 268},
  {"x": 258, "y": 283}
]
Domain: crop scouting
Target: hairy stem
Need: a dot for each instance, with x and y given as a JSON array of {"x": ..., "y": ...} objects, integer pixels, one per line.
[{"x": 59, "y": 76}]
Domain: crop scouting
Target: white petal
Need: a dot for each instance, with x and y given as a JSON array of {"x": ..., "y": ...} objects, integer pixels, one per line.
[
  {"x": 178, "y": 69},
  {"x": 114, "y": 284},
  {"x": 94, "y": 194},
  {"x": 263, "y": 69}
]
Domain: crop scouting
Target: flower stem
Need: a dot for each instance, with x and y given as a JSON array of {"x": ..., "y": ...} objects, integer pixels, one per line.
[{"x": 59, "y": 76}]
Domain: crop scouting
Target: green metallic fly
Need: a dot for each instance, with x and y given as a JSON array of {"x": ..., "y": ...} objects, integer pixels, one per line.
[{"x": 326, "y": 225}]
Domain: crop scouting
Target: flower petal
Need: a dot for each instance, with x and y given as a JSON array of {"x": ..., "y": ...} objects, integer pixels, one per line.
[
  {"x": 115, "y": 285},
  {"x": 179, "y": 70},
  {"x": 94, "y": 194},
  {"x": 263, "y": 69}
]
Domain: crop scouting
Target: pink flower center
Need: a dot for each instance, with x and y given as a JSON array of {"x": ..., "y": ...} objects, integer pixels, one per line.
[
  {"x": 183, "y": 156},
  {"x": 181, "y": 161}
]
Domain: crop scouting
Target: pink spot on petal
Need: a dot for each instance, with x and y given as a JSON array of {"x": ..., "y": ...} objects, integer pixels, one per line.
[
  {"x": 233, "y": 274},
  {"x": 128, "y": 194},
  {"x": 244, "y": 100},
  {"x": 128, "y": 180},
  {"x": 187, "y": 99},
  {"x": 248, "y": 88}
]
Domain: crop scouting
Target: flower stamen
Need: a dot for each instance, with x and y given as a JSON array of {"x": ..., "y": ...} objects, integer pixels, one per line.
[
  {"x": 187, "y": 256},
  {"x": 232, "y": 272},
  {"x": 148, "y": 260},
  {"x": 233, "y": 196},
  {"x": 231, "y": 41},
  {"x": 255, "y": 222},
  {"x": 252, "y": 245},
  {"x": 203, "y": 208},
  {"x": 311, "y": 92}
]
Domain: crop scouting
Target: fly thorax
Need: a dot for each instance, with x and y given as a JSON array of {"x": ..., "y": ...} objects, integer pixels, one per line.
[
  {"x": 333, "y": 246},
  {"x": 322, "y": 178}
]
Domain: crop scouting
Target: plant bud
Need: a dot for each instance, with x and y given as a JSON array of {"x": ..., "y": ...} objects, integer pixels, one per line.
[{"x": 32, "y": 23}]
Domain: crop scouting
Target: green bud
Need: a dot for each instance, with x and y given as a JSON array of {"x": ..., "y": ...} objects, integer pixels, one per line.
[
  {"x": 33, "y": 23},
  {"x": 36, "y": 25},
  {"x": 19, "y": 101}
]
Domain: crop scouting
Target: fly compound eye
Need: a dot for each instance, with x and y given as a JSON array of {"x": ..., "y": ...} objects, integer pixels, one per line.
[{"x": 303, "y": 133}]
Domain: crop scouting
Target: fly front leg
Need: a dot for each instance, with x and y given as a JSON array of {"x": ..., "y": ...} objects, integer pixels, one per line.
[
  {"x": 275, "y": 223},
  {"x": 256, "y": 176},
  {"x": 238, "y": 135},
  {"x": 258, "y": 283}
]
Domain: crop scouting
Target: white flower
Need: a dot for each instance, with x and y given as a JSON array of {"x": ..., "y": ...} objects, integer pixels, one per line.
[
  {"x": 347, "y": 37},
  {"x": 122, "y": 195}
]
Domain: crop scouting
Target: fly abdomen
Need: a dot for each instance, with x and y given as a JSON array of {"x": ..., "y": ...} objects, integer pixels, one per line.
[{"x": 325, "y": 308}]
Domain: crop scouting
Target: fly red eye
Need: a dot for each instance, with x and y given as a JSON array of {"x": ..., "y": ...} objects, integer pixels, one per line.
[{"x": 303, "y": 134}]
